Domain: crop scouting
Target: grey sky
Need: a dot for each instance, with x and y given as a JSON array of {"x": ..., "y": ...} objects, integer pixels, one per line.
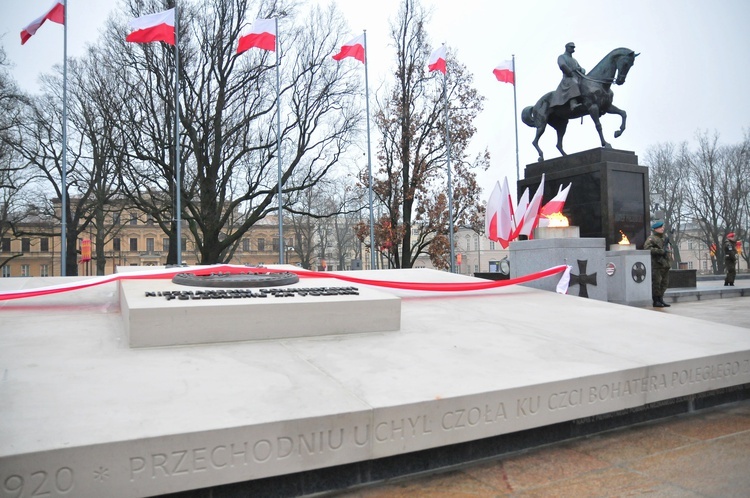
[{"x": 691, "y": 75}]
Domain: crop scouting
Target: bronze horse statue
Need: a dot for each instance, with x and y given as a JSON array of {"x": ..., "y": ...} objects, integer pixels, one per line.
[{"x": 596, "y": 97}]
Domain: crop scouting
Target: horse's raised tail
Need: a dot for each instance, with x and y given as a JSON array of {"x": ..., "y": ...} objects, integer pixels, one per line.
[{"x": 527, "y": 116}]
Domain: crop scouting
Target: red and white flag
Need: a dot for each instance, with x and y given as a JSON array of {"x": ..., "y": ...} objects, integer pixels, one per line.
[
  {"x": 437, "y": 60},
  {"x": 505, "y": 217},
  {"x": 505, "y": 72},
  {"x": 153, "y": 27},
  {"x": 556, "y": 204},
  {"x": 56, "y": 13},
  {"x": 494, "y": 204},
  {"x": 353, "y": 48},
  {"x": 523, "y": 205},
  {"x": 531, "y": 216},
  {"x": 262, "y": 34}
]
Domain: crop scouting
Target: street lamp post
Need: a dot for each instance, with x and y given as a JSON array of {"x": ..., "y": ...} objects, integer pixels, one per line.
[{"x": 287, "y": 249}]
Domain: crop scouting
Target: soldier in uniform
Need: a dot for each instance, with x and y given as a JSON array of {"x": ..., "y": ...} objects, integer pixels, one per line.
[
  {"x": 730, "y": 259},
  {"x": 661, "y": 253},
  {"x": 569, "y": 87}
]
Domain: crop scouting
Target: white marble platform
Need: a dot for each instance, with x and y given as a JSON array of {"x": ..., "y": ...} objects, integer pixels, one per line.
[{"x": 82, "y": 414}]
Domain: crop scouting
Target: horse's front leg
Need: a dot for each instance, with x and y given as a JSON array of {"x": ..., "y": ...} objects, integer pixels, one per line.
[
  {"x": 594, "y": 113},
  {"x": 624, "y": 115}
]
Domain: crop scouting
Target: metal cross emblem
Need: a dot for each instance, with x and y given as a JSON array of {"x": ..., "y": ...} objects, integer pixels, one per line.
[
  {"x": 582, "y": 279},
  {"x": 638, "y": 272}
]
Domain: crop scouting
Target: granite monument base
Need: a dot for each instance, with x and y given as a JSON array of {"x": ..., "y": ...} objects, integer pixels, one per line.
[
  {"x": 586, "y": 256},
  {"x": 609, "y": 195},
  {"x": 469, "y": 374}
]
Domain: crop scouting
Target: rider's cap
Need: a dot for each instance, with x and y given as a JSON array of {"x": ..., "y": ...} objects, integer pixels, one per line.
[
  {"x": 657, "y": 224},
  {"x": 730, "y": 235},
  {"x": 570, "y": 44}
]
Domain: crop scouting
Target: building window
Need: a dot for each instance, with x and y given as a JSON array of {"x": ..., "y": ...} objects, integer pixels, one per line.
[
  {"x": 150, "y": 245},
  {"x": 183, "y": 245},
  {"x": 44, "y": 270},
  {"x": 25, "y": 244},
  {"x": 261, "y": 245},
  {"x": 115, "y": 218},
  {"x": 476, "y": 243},
  {"x": 6, "y": 271},
  {"x": 492, "y": 245},
  {"x": 116, "y": 244},
  {"x": 275, "y": 243},
  {"x": 165, "y": 244},
  {"x": 133, "y": 218},
  {"x": 246, "y": 245},
  {"x": 25, "y": 272},
  {"x": 149, "y": 220},
  {"x": 6, "y": 245},
  {"x": 44, "y": 244},
  {"x": 133, "y": 244}
]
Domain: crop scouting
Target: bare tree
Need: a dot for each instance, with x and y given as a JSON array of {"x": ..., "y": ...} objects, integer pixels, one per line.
[
  {"x": 13, "y": 177},
  {"x": 667, "y": 181},
  {"x": 715, "y": 191},
  {"x": 411, "y": 180},
  {"x": 229, "y": 153}
]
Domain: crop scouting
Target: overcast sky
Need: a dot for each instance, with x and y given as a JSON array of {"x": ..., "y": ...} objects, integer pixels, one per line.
[{"x": 692, "y": 74}]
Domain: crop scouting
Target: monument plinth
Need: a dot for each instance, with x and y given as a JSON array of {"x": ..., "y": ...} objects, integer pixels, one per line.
[
  {"x": 168, "y": 314},
  {"x": 609, "y": 195}
]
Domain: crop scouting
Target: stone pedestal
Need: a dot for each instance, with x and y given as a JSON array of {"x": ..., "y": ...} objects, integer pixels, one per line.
[
  {"x": 609, "y": 192},
  {"x": 586, "y": 256},
  {"x": 628, "y": 276},
  {"x": 679, "y": 279}
]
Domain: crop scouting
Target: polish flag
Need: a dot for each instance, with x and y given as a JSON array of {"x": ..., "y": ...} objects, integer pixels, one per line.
[
  {"x": 505, "y": 72},
  {"x": 56, "y": 13},
  {"x": 262, "y": 34},
  {"x": 505, "y": 216},
  {"x": 555, "y": 205},
  {"x": 437, "y": 60},
  {"x": 531, "y": 216},
  {"x": 353, "y": 48},
  {"x": 523, "y": 205},
  {"x": 494, "y": 204},
  {"x": 153, "y": 27}
]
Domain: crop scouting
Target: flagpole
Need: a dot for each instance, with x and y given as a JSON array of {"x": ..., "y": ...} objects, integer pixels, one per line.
[
  {"x": 64, "y": 205},
  {"x": 369, "y": 161},
  {"x": 178, "y": 182},
  {"x": 515, "y": 117},
  {"x": 278, "y": 146},
  {"x": 450, "y": 181}
]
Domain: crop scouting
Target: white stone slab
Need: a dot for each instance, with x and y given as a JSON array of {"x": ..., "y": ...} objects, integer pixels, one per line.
[
  {"x": 155, "y": 321},
  {"x": 82, "y": 414}
]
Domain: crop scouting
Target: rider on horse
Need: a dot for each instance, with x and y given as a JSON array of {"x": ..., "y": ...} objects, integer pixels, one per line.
[{"x": 569, "y": 87}]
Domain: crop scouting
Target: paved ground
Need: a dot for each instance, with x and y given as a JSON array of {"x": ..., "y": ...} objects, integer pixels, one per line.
[{"x": 704, "y": 454}]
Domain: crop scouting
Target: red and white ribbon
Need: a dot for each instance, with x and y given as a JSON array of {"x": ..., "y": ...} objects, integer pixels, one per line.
[{"x": 235, "y": 269}]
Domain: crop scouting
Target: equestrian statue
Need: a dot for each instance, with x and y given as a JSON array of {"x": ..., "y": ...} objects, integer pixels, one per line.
[{"x": 580, "y": 94}]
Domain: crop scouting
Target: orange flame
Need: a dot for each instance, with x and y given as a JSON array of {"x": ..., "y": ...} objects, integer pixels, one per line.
[
  {"x": 558, "y": 220},
  {"x": 625, "y": 241}
]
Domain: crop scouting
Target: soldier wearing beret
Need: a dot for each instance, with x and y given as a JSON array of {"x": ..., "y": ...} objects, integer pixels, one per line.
[
  {"x": 730, "y": 259},
  {"x": 661, "y": 253}
]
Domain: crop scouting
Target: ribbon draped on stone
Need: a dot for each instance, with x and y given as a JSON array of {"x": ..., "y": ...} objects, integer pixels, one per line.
[{"x": 236, "y": 269}]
